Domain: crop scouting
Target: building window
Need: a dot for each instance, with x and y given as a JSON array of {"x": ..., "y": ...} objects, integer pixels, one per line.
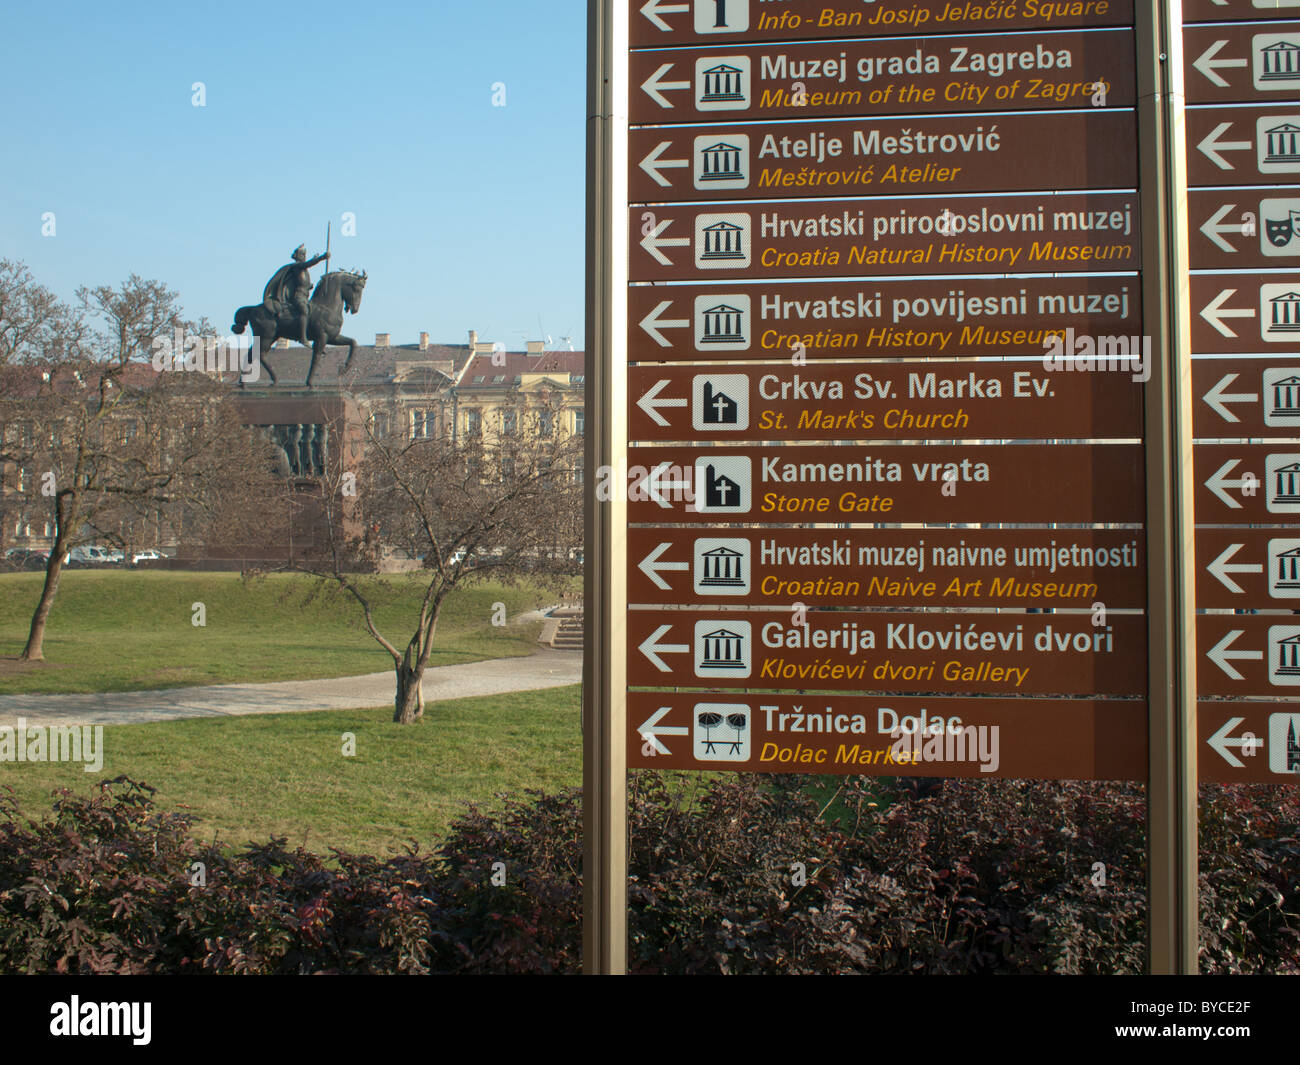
[
  {"x": 422, "y": 424},
  {"x": 509, "y": 422},
  {"x": 580, "y": 422},
  {"x": 473, "y": 422},
  {"x": 545, "y": 423}
]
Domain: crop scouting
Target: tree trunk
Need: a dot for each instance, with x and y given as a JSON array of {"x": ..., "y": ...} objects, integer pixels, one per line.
[
  {"x": 34, "y": 652},
  {"x": 409, "y": 704}
]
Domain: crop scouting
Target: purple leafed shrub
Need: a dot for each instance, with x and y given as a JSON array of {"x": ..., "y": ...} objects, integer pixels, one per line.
[{"x": 746, "y": 874}]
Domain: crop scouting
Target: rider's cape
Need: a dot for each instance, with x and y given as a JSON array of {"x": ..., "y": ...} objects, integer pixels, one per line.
[{"x": 280, "y": 288}]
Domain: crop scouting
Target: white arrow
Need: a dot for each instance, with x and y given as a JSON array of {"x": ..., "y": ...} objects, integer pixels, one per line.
[
  {"x": 1220, "y": 655},
  {"x": 652, "y": 242},
  {"x": 652, "y": 164},
  {"x": 655, "y": 86},
  {"x": 1214, "y": 312},
  {"x": 651, "y": 730},
  {"x": 652, "y": 648},
  {"x": 654, "y": 8},
  {"x": 1206, "y": 63},
  {"x": 650, "y": 401},
  {"x": 1215, "y": 225},
  {"x": 650, "y": 566},
  {"x": 652, "y": 323},
  {"x": 1212, "y": 146},
  {"x": 1219, "y": 399},
  {"x": 1220, "y": 568},
  {"x": 1219, "y": 482},
  {"x": 1220, "y": 742},
  {"x": 654, "y": 485}
]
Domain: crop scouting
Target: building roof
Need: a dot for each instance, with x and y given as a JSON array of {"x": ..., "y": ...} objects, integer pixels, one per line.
[
  {"x": 371, "y": 366},
  {"x": 517, "y": 363}
]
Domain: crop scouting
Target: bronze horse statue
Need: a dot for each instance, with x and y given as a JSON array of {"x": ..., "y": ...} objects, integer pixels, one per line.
[{"x": 334, "y": 293}]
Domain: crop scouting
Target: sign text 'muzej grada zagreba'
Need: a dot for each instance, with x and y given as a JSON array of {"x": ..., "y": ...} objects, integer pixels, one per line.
[{"x": 886, "y": 487}]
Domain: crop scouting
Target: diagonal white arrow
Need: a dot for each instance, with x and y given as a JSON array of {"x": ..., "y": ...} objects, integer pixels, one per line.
[
  {"x": 652, "y": 323},
  {"x": 653, "y": 9},
  {"x": 651, "y": 730},
  {"x": 1206, "y": 63},
  {"x": 1221, "y": 656},
  {"x": 652, "y": 163},
  {"x": 1214, "y": 312},
  {"x": 651, "y": 401},
  {"x": 1218, "y": 482},
  {"x": 1219, "y": 399},
  {"x": 652, "y": 242},
  {"x": 1215, "y": 225},
  {"x": 1220, "y": 568},
  {"x": 652, "y": 648},
  {"x": 655, "y": 486},
  {"x": 655, "y": 86},
  {"x": 1220, "y": 742},
  {"x": 650, "y": 566},
  {"x": 1212, "y": 146}
]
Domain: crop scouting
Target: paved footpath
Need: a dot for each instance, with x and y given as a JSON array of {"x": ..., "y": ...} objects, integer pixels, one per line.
[{"x": 544, "y": 669}]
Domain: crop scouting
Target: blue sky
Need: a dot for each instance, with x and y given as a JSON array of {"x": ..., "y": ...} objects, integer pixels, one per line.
[{"x": 468, "y": 215}]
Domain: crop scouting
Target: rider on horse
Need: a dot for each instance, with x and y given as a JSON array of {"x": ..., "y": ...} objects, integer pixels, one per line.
[{"x": 290, "y": 289}]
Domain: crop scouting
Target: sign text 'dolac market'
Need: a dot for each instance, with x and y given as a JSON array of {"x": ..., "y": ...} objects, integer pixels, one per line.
[{"x": 890, "y": 735}]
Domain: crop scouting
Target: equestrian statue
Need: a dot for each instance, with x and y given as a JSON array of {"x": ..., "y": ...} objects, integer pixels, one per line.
[{"x": 286, "y": 313}]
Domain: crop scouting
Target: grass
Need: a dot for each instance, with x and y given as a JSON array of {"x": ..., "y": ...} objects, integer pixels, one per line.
[
  {"x": 250, "y": 778},
  {"x": 132, "y": 630}
]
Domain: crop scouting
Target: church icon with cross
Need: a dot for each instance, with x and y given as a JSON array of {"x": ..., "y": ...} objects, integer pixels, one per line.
[
  {"x": 723, "y": 484},
  {"x": 720, "y": 402}
]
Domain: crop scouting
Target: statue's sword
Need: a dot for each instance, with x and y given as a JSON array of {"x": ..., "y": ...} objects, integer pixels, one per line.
[{"x": 327, "y": 244}]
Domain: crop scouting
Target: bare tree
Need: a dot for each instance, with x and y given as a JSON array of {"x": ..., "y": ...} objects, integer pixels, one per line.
[
  {"x": 100, "y": 440},
  {"x": 506, "y": 505}
]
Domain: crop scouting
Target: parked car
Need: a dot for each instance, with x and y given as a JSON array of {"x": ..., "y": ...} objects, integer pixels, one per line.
[
  {"x": 149, "y": 555},
  {"x": 24, "y": 558},
  {"x": 88, "y": 555}
]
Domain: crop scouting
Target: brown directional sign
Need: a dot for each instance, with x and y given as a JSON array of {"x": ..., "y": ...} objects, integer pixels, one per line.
[
  {"x": 1248, "y": 569},
  {"x": 1229, "y": 10},
  {"x": 1022, "y": 233},
  {"x": 1249, "y": 654},
  {"x": 1243, "y": 145},
  {"x": 1065, "y": 739},
  {"x": 1246, "y": 313},
  {"x": 890, "y": 652},
  {"x": 887, "y": 483},
  {"x": 1005, "y": 72},
  {"x": 971, "y": 316},
  {"x": 1248, "y": 742},
  {"x": 1056, "y": 568},
  {"x": 1252, "y": 398},
  {"x": 885, "y": 401},
  {"x": 1244, "y": 228},
  {"x": 713, "y": 22},
  {"x": 1242, "y": 64},
  {"x": 1247, "y": 483},
  {"x": 884, "y": 156}
]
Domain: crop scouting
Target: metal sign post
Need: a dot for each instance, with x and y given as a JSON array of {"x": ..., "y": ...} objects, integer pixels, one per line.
[
  {"x": 604, "y": 680},
  {"x": 1171, "y": 634}
]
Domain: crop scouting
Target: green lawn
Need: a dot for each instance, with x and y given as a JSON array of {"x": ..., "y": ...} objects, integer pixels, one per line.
[
  {"x": 128, "y": 630},
  {"x": 249, "y": 778}
]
